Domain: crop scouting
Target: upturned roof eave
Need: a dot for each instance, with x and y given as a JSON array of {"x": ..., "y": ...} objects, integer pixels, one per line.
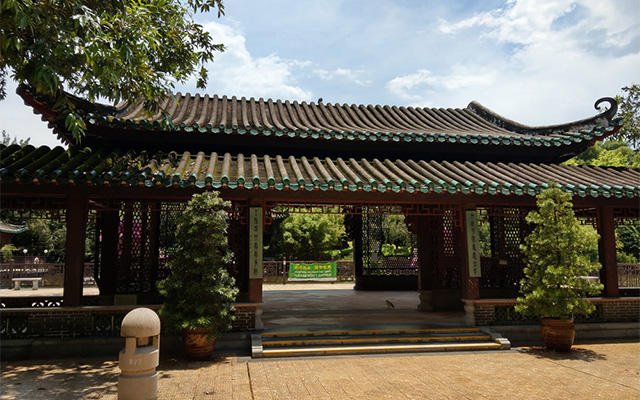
[{"x": 603, "y": 119}]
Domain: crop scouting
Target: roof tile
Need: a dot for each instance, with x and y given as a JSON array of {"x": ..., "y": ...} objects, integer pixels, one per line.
[{"x": 133, "y": 168}]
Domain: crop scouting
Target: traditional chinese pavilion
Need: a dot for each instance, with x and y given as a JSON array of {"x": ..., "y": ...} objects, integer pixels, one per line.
[{"x": 445, "y": 170}]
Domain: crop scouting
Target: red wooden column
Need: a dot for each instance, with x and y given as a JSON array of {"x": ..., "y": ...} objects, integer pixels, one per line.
[
  {"x": 76, "y": 216},
  {"x": 607, "y": 251},
  {"x": 426, "y": 247},
  {"x": 470, "y": 283}
]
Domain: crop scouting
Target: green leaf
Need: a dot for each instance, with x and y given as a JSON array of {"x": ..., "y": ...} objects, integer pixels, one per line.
[{"x": 116, "y": 50}]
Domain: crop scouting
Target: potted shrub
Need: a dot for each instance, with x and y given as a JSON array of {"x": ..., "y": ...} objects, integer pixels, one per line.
[
  {"x": 557, "y": 254},
  {"x": 199, "y": 292}
]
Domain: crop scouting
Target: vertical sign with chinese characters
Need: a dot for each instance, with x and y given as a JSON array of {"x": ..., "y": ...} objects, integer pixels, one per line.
[
  {"x": 473, "y": 244},
  {"x": 255, "y": 242}
]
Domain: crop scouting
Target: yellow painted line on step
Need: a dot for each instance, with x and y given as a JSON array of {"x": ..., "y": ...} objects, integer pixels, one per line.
[
  {"x": 398, "y": 339},
  {"x": 381, "y": 348},
  {"x": 434, "y": 330}
]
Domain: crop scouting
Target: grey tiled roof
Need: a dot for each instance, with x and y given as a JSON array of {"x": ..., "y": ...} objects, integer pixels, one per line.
[
  {"x": 132, "y": 168},
  {"x": 247, "y": 118}
]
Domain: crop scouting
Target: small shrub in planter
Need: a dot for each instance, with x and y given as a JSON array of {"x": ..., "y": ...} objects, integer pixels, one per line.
[
  {"x": 199, "y": 292},
  {"x": 557, "y": 257}
]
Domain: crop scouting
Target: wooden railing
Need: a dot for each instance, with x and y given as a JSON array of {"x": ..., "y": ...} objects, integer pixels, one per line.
[
  {"x": 87, "y": 321},
  {"x": 52, "y": 274},
  {"x": 629, "y": 275}
]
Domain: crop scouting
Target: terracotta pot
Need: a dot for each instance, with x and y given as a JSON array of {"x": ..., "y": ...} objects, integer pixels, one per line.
[
  {"x": 198, "y": 344},
  {"x": 557, "y": 334}
]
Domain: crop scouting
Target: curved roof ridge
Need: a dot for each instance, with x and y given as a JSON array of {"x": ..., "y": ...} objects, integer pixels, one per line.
[{"x": 494, "y": 118}]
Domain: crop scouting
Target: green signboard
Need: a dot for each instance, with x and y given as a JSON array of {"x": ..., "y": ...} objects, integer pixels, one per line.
[{"x": 326, "y": 271}]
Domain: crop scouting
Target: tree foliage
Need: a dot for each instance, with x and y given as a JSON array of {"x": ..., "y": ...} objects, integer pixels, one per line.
[
  {"x": 396, "y": 236},
  {"x": 199, "y": 292},
  {"x": 311, "y": 237},
  {"x": 7, "y": 252},
  {"x": 557, "y": 254},
  {"x": 395, "y": 230},
  {"x": 114, "y": 50},
  {"x": 47, "y": 234},
  {"x": 628, "y": 242},
  {"x": 7, "y": 140},
  {"x": 629, "y": 110},
  {"x": 610, "y": 153}
]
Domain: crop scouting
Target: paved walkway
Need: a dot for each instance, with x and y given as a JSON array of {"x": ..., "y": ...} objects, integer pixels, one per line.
[
  {"x": 45, "y": 291},
  {"x": 593, "y": 371},
  {"x": 292, "y": 306}
]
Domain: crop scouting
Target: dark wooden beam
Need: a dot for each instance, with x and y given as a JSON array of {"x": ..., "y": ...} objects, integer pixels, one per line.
[{"x": 17, "y": 191}]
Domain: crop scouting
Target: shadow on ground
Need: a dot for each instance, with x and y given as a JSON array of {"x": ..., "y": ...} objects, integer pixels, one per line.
[
  {"x": 66, "y": 379},
  {"x": 578, "y": 354}
]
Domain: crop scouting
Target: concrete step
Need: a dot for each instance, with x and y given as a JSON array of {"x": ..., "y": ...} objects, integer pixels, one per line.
[
  {"x": 361, "y": 338},
  {"x": 299, "y": 344}
]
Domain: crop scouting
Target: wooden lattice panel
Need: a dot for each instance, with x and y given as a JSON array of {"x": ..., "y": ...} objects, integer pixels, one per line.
[
  {"x": 137, "y": 250},
  {"x": 587, "y": 216},
  {"x": 508, "y": 227},
  {"x": 18, "y": 216},
  {"x": 626, "y": 216},
  {"x": 168, "y": 219},
  {"x": 448, "y": 269},
  {"x": 34, "y": 203},
  {"x": 372, "y": 240},
  {"x": 359, "y": 208},
  {"x": 375, "y": 263}
]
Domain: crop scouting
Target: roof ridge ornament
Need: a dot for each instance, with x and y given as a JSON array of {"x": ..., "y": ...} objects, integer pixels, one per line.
[
  {"x": 611, "y": 111},
  {"x": 494, "y": 118}
]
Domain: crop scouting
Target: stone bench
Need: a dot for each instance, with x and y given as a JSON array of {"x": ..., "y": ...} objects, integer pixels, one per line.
[{"x": 34, "y": 282}]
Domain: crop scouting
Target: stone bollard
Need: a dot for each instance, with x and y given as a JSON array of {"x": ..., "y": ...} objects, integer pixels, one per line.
[{"x": 140, "y": 357}]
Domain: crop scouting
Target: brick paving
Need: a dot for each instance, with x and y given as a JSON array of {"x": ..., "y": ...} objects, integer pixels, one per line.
[{"x": 590, "y": 371}]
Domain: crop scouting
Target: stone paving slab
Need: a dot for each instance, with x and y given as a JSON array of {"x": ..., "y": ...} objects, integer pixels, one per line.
[{"x": 590, "y": 371}]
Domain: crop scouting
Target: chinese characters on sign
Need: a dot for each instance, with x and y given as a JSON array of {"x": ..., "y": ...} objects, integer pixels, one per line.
[
  {"x": 326, "y": 271},
  {"x": 255, "y": 242},
  {"x": 473, "y": 244}
]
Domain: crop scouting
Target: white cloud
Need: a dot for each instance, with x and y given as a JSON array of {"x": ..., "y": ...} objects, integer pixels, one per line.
[
  {"x": 418, "y": 87},
  {"x": 236, "y": 72},
  {"x": 519, "y": 22},
  {"x": 359, "y": 77},
  {"x": 541, "y": 62},
  {"x": 563, "y": 23}
]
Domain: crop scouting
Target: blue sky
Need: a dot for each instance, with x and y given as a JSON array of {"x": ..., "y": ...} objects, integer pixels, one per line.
[{"x": 538, "y": 62}]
